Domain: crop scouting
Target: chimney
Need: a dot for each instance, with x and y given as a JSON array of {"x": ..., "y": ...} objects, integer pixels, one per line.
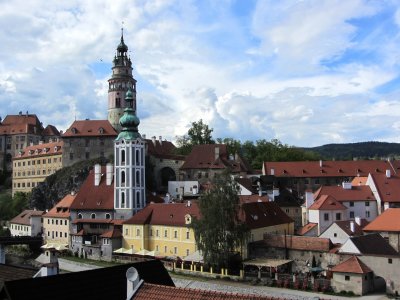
[
  {"x": 272, "y": 172},
  {"x": 352, "y": 226},
  {"x": 194, "y": 190},
  {"x": 388, "y": 174},
  {"x": 260, "y": 191},
  {"x": 97, "y": 174},
  {"x": 133, "y": 282},
  {"x": 160, "y": 139},
  {"x": 189, "y": 203},
  {"x": 320, "y": 163},
  {"x": 153, "y": 139},
  {"x": 358, "y": 220},
  {"x": 50, "y": 266},
  {"x": 109, "y": 173},
  {"x": 144, "y": 136},
  {"x": 72, "y": 193},
  {"x": 216, "y": 152}
]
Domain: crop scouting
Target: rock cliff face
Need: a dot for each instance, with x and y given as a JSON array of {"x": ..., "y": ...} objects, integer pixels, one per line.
[{"x": 61, "y": 183}]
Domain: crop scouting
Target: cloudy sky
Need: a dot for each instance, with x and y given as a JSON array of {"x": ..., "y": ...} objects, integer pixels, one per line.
[{"x": 306, "y": 72}]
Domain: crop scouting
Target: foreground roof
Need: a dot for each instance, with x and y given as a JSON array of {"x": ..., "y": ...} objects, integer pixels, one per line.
[
  {"x": 8, "y": 273},
  {"x": 329, "y": 168},
  {"x": 352, "y": 265},
  {"x": 372, "y": 244},
  {"x": 387, "y": 221}
]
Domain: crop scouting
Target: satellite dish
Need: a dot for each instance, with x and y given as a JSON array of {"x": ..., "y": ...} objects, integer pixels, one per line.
[{"x": 132, "y": 274}]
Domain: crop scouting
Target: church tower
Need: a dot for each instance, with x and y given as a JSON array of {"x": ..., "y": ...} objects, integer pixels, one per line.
[
  {"x": 119, "y": 83},
  {"x": 129, "y": 172}
]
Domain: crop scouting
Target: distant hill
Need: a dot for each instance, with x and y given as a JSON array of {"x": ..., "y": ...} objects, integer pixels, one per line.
[{"x": 364, "y": 150}]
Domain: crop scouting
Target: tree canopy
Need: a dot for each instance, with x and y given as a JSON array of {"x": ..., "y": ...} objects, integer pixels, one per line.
[
  {"x": 198, "y": 134},
  {"x": 219, "y": 233}
]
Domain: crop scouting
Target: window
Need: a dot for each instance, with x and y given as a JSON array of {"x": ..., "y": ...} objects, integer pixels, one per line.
[
  {"x": 87, "y": 155},
  {"x": 287, "y": 210},
  {"x": 390, "y": 261},
  {"x": 338, "y": 216},
  {"x": 347, "y": 277},
  {"x": 56, "y": 222},
  {"x": 151, "y": 232},
  {"x": 108, "y": 216},
  {"x": 71, "y": 156},
  {"x": 165, "y": 249},
  {"x": 156, "y": 247},
  {"x": 175, "y": 234},
  {"x": 79, "y": 216},
  {"x": 187, "y": 252},
  {"x": 366, "y": 203},
  {"x": 351, "y": 203},
  {"x": 93, "y": 216},
  {"x": 65, "y": 222},
  {"x": 335, "y": 234},
  {"x": 175, "y": 250},
  {"x": 157, "y": 233},
  {"x": 199, "y": 175},
  {"x": 126, "y": 231},
  {"x": 367, "y": 214},
  {"x": 187, "y": 235},
  {"x": 165, "y": 233},
  {"x": 326, "y": 217},
  {"x": 352, "y": 215},
  {"x": 137, "y": 232}
]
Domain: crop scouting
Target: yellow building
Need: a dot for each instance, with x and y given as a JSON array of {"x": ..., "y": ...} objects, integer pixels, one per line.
[
  {"x": 34, "y": 163},
  {"x": 163, "y": 228},
  {"x": 56, "y": 222}
]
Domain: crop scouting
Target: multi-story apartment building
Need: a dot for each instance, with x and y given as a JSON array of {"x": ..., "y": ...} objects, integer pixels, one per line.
[
  {"x": 19, "y": 131},
  {"x": 87, "y": 139},
  {"x": 56, "y": 222},
  {"x": 34, "y": 163}
]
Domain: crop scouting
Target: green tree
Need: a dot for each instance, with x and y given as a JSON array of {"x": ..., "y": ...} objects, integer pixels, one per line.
[
  {"x": 219, "y": 233},
  {"x": 198, "y": 134}
]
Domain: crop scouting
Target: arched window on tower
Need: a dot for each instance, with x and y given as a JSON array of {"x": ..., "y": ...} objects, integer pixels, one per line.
[
  {"x": 137, "y": 199},
  {"x": 123, "y": 178},
  {"x": 137, "y": 157},
  {"x": 118, "y": 102},
  {"x": 137, "y": 178},
  {"x": 123, "y": 157},
  {"x": 122, "y": 200}
]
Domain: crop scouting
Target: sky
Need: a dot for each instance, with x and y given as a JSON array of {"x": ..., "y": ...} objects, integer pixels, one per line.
[{"x": 308, "y": 72}]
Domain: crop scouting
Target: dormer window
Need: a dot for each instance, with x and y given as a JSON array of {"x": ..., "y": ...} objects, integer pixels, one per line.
[
  {"x": 55, "y": 148},
  {"x": 73, "y": 130},
  {"x": 31, "y": 152},
  {"x": 37, "y": 151},
  {"x": 101, "y": 130},
  {"x": 188, "y": 219}
]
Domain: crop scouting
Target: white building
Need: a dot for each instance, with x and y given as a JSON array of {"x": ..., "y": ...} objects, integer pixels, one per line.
[
  {"x": 179, "y": 189},
  {"x": 27, "y": 223}
]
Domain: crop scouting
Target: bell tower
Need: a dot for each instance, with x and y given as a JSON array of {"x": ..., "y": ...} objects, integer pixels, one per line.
[
  {"x": 129, "y": 158},
  {"x": 121, "y": 80}
]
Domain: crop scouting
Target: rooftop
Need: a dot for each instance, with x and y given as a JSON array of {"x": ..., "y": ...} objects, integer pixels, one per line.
[{"x": 388, "y": 221}]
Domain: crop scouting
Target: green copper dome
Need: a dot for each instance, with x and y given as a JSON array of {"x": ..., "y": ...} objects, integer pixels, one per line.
[{"x": 129, "y": 121}]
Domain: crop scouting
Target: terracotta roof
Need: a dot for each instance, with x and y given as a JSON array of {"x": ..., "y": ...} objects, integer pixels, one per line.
[
  {"x": 203, "y": 157},
  {"x": 90, "y": 128},
  {"x": 253, "y": 198},
  {"x": 91, "y": 197},
  {"x": 306, "y": 228},
  {"x": 326, "y": 202},
  {"x": 171, "y": 214},
  {"x": 387, "y": 221},
  {"x": 352, "y": 265},
  {"x": 115, "y": 233},
  {"x": 163, "y": 149},
  {"x": 359, "y": 180},
  {"x": 329, "y": 168},
  {"x": 149, "y": 291},
  {"x": 388, "y": 188},
  {"x": 50, "y": 130},
  {"x": 62, "y": 208},
  {"x": 346, "y": 227},
  {"x": 46, "y": 149},
  {"x": 23, "y": 123},
  {"x": 373, "y": 244},
  {"x": 262, "y": 214},
  {"x": 307, "y": 243},
  {"x": 356, "y": 193},
  {"x": 24, "y": 217}
]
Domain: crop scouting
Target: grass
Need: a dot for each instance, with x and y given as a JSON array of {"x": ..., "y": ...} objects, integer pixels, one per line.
[{"x": 99, "y": 263}]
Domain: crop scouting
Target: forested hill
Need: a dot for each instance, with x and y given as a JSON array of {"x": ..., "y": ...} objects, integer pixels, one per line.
[{"x": 364, "y": 150}]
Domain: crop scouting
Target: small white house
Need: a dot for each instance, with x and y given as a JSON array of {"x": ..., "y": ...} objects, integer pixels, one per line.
[
  {"x": 180, "y": 189},
  {"x": 27, "y": 223}
]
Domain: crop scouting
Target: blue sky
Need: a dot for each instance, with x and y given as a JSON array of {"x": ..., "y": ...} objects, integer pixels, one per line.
[{"x": 305, "y": 72}]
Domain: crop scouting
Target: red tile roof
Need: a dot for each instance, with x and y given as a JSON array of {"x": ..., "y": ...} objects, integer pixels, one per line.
[
  {"x": 90, "y": 128},
  {"x": 171, "y": 214},
  {"x": 148, "y": 291},
  {"x": 329, "y": 168},
  {"x": 388, "y": 221},
  {"x": 253, "y": 198},
  {"x": 203, "y": 157},
  {"x": 352, "y": 265},
  {"x": 17, "y": 124},
  {"x": 112, "y": 234},
  {"x": 306, "y": 243},
  {"x": 54, "y": 148},
  {"x": 356, "y": 193},
  {"x": 306, "y": 228},
  {"x": 62, "y": 208},
  {"x": 346, "y": 227},
  {"x": 326, "y": 202},
  {"x": 51, "y": 130},
  {"x": 263, "y": 214},
  {"x": 24, "y": 217},
  {"x": 359, "y": 180},
  {"x": 163, "y": 149},
  {"x": 91, "y": 197},
  {"x": 388, "y": 188}
]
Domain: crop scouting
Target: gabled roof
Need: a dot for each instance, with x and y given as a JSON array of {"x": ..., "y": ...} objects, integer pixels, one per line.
[
  {"x": 326, "y": 202},
  {"x": 388, "y": 221},
  {"x": 388, "y": 188},
  {"x": 329, "y": 168},
  {"x": 162, "y": 149},
  {"x": 102, "y": 283},
  {"x": 62, "y": 208},
  {"x": 50, "y": 130},
  {"x": 88, "y": 128},
  {"x": 356, "y": 193},
  {"x": 44, "y": 149},
  {"x": 204, "y": 157},
  {"x": 21, "y": 124},
  {"x": 91, "y": 197},
  {"x": 373, "y": 244},
  {"x": 169, "y": 214},
  {"x": 247, "y": 184},
  {"x": 346, "y": 227},
  {"x": 352, "y": 265},
  {"x": 149, "y": 291},
  {"x": 24, "y": 217},
  {"x": 262, "y": 214},
  {"x": 306, "y": 228},
  {"x": 306, "y": 243}
]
